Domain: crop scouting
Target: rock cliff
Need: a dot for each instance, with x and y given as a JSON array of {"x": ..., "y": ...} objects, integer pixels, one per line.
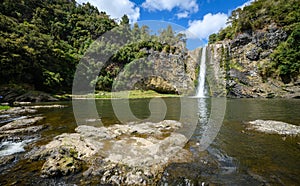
[
  {"x": 238, "y": 64},
  {"x": 160, "y": 71}
]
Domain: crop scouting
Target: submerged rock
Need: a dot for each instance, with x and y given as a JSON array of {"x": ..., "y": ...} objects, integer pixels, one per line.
[
  {"x": 131, "y": 154},
  {"x": 13, "y": 146},
  {"x": 274, "y": 127},
  {"x": 6, "y": 160}
]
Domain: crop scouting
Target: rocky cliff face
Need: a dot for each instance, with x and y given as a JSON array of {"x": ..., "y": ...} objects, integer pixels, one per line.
[
  {"x": 238, "y": 65},
  {"x": 161, "y": 72}
]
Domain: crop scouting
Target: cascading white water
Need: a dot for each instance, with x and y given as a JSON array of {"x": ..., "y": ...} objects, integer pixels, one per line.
[{"x": 201, "y": 78}]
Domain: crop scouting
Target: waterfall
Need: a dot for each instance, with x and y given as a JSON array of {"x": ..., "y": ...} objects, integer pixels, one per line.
[{"x": 201, "y": 78}]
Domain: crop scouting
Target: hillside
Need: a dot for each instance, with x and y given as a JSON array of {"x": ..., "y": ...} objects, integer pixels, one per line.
[
  {"x": 259, "y": 52},
  {"x": 42, "y": 42}
]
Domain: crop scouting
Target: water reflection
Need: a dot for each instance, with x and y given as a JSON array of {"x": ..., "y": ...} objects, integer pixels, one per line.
[
  {"x": 211, "y": 113},
  {"x": 241, "y": 157},
  {"x": 203, "y": 113}
]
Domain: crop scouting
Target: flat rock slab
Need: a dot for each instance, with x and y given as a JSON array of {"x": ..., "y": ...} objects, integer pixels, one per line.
[
  {"x": 46, "y": 106},
  {"x": 20, "y": 123},
  {"x": 18, "y": 110},
  {"x": 131, "y": 154},
  {"x": 26, "y": 130},
  {"x": 274, "y": 127}
]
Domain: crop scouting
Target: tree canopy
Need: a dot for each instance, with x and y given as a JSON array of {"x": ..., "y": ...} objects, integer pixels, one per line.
[
  {"x": 42, "y": 41},
  {"x": 258, "y": 15}
]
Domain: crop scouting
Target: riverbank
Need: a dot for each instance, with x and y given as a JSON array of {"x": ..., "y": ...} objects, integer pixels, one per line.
[
  {"x": 12, "y": 93},
  {"x": 132, "y": 94},
  {"x": 19, "y": 95}
]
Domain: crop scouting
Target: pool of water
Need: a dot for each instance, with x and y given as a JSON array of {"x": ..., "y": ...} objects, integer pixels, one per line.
[{"x": 236, "y": 156}]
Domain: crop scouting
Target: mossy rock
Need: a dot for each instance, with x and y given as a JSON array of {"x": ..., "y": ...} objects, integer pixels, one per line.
[{"x": 64, "y": 163}]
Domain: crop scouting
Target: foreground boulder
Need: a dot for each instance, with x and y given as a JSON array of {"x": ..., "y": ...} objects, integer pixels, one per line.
[
  {"x": 274, "y": 127},
  {"x": 131, "y": 154}
]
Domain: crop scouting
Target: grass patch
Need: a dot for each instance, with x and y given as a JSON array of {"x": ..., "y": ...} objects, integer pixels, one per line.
[
  {"x": 148, "y": 94},
  {"x": 133, "y": 94},
  {"x": 4, "y": 107},
  {"x": 63, "y": 97}
]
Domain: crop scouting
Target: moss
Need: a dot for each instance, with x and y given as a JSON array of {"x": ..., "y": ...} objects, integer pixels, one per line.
[
  {"x": 4, "y": 107},
  {"x": 222, "y": 61},
  {"x": 73, "y": 153},
  {"x": 62, "y": 97},
  {"x": 235, "y": 65},
  {"x": 197, "y": 75}
]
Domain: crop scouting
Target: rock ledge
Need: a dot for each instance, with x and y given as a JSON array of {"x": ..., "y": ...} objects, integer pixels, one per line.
[
  {"x": 131, "y": 154},
  {"x": 274, "y": 127}
]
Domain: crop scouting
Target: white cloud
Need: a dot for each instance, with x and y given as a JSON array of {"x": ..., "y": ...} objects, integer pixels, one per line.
[
  {"x": 190, "y": 6},
  {"x": 211, "y": 23},
  {"x": 116, "y": 8},
  {"x": 184, "y": 14},
  {"x": 245, "y": 4}
]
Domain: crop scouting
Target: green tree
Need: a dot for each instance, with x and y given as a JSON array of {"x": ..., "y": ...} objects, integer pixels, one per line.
[{"x": 286, "y": 57}]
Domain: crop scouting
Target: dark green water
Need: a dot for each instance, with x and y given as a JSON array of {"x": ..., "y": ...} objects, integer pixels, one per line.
[{"x": 236, "y": 156}]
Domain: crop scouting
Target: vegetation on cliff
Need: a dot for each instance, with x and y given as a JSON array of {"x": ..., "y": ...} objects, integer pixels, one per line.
[
  {"x": 42, "y": 41},
  {"x": 140, "y": 44},
  {"x": 285, "y": 59}
]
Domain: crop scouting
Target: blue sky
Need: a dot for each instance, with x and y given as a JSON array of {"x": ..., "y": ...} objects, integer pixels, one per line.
[{"x": 199, "y": 18}]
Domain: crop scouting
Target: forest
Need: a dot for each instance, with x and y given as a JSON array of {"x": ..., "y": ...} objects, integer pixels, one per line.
[{"x": 42, "y": 41}]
